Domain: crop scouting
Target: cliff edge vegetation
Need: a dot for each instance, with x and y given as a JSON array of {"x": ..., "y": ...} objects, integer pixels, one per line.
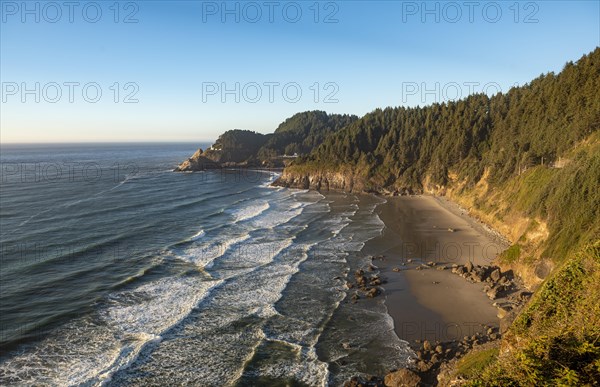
[
  {"x": 296, "y": 136},
  {"x": 526, "y": 162}
]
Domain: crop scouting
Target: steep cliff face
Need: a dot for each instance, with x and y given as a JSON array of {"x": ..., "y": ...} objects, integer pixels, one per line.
[
  {"x": 298, "y": 135},
  {"x": 198, "y": 162},
  {"x": 320, "y": 181},
  {"x": 347, "y": 179},
  {"x": 550, "y": 214}
]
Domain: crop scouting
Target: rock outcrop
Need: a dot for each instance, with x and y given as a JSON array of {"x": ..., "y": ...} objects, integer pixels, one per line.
[
  {"x": 320, "y": 180},
  {"x": 402, "y": 378},
  {"x": 347, "y": 179},
  {"x": 198, "y": 162}
]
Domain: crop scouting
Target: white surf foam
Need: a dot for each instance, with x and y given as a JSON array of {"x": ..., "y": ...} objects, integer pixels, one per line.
[
  {"x": 89, "y": 350},
  {"x": 254, "y": 280},
  {"x": 308, "y": 369},
  {"x": 272, "y": 219},
  {"x": 205, "y": 254},
  {"x": 273, "y": 176},
  {"x": 198, "y": 235},
  {"x": 250, "y": 211},
  {"x": 248, "y": 257}
]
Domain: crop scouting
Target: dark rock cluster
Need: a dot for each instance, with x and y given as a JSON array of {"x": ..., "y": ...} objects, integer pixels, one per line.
[
  {"x": 429, "y": 357},
  {"x": 400, "y": 378},
  {"x": 368, "y": 381},
  {"x": 497, "y": 283},
  {"x": 368, "y": 285}
]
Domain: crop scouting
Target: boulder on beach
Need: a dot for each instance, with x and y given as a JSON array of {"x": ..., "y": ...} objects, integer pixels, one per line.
[
  {"x": 495, "y": 275},
  {"x": 469, "y": 266},
  {"x": 402, "y": 378},
  {"x": 426, "y": 345},
  {"x": 492, "y": 293},
  {"x": 477, "y": 274}
]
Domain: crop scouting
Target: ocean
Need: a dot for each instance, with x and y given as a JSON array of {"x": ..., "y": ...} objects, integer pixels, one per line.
[{"x": 117, "y": 271}]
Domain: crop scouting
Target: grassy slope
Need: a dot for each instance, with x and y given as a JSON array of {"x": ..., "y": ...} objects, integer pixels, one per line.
[
  {"x": 555, "y": 217},
  {"x": 556, "y": 339},
  {"x": 548, "y": 213},
  {"x": 551, "y": 215}
]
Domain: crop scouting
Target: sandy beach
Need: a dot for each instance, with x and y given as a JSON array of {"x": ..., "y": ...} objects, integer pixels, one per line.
[{"x": 428, "y": 302}]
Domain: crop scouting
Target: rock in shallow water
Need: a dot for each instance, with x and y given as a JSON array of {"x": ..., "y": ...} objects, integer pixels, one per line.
[
  {"x": 426, "y": 345},
  {"x": 373, "y": 292}
]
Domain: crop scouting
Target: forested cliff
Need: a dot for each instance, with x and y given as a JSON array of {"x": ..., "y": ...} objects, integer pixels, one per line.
[
  {"x": 298, "y": 135},
  {"x": 410, "y": 148},
  {"x": 534, "y": 150},
  {"x": 526, "y": 162}
]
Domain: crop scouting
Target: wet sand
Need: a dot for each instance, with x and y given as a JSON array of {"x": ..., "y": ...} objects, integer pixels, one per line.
[{"x": 433, "y": 304}]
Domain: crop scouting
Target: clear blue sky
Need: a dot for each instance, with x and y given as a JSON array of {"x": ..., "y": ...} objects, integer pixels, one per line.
[{"x": 179, "y": 54}]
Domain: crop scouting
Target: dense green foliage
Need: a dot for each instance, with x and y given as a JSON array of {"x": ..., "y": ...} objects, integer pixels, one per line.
[
  {"x": 559, "y": 331},
  {"x": 299, "y": 134},
  {"x": 236, "y": 146},
  {"x": 516, "y": 141},
  {"x": 568, "y": 198},
  {"x": 506, "y": 133},
  {"x": 474, "y": 364},
  {"x": 303, "y": 132}
]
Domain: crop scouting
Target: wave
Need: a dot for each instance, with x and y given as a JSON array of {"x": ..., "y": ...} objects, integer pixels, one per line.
[
  {"x": 299, "y": 332},
  {"x": 89, "y": 350},
  {"x": 174, "y": 204},
  {"x": 127, "y": 178},
  {"x": 255, "y": 282},
  {"x": 226, "y": 326},
  {"x": 250, "y": 212},
  {"x": 250, "y": 257},
  {"x": 210, "y": 325},
  {"x": 205, "y": 254},
  {"x": 306, "y": 367},
  {"x": 278, "y": 218},
  {"x": 273, "y": 176},
  {"x": 197, "y": 235},
  {"x": 57, "y": 253}
]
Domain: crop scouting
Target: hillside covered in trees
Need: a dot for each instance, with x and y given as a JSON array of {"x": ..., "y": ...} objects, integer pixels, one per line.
[
  {"x": 543, "y": 128},
  {"x": 397, "y": 148},
  {"x": 526, "y": 162},
  {"x": 298, "y": 135}
]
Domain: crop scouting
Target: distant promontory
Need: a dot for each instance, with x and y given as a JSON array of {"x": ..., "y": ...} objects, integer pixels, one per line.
[{"x": 296, "y": 136}]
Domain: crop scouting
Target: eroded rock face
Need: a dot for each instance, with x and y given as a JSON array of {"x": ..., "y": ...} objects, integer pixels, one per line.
[
  {"x": 350, "y": 179},
  {"x": 320, "y": 181},
  {"x": 198, "y": 162},
  {"x": 402, "y": 378}
]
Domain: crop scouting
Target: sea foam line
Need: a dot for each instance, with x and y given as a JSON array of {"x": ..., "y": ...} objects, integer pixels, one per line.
[
  {"x": 91, "y": 350},
  {"x": 250, "y": 212}
]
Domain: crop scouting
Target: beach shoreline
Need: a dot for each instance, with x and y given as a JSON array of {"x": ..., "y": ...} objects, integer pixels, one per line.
[
  {"x": 425, "y": 241},
  {"x": 432, "y": 304}
]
